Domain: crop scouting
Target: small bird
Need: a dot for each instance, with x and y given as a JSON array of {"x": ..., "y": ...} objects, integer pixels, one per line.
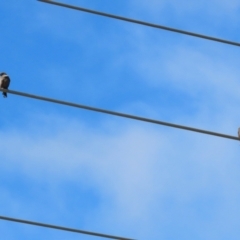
[
  {"x": 4, "y": 82},
  {"x": 238, "y": 132}
]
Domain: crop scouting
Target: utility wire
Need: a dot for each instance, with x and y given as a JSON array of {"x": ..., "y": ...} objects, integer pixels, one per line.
[
  {"x": 124, "y": 115},
  {"x": 142, "y": 23},
  {"x": 62, "y": 228}
]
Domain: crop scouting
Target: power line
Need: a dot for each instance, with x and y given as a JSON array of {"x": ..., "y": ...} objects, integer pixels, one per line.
[
  {"x": 62, "y": 228},
  {"x": 124, "y": 115},
  {"x": 142, "y": 23}
]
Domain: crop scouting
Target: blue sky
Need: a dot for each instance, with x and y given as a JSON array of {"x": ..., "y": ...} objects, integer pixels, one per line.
[{"x": 101, "y": 173}]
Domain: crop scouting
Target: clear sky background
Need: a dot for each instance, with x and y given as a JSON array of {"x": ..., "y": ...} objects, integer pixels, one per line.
[{"x": 101, "y": 173}]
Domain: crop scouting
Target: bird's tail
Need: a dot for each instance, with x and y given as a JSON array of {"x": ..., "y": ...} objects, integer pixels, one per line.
[{"x": 4, "y": 94}]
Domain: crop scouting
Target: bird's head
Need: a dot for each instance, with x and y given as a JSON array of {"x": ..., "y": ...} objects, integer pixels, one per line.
[{"x": 2, "y": 73}]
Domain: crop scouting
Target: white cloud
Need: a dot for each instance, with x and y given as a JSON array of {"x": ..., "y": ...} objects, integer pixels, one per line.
[
  {"x": 213, "y": 7},
  {"x": 140, "y": 170},
  {"x": 150, "y": 179},
  {"x": 204, "y": 73}
]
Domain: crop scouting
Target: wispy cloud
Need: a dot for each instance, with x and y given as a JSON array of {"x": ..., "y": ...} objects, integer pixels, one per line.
[{"x": 137, "y": 171}]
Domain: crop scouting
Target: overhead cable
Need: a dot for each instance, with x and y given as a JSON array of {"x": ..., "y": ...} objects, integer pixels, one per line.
[
  {"x": 142, "y": 23},
  {"x": 124, "y": 115},
  {"x": 62, "y": 228}
]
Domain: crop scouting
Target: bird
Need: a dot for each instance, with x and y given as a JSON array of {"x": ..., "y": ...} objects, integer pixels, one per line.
[
  {"x": 4, "y": 82},
  {"x": 238, "y": 132}
]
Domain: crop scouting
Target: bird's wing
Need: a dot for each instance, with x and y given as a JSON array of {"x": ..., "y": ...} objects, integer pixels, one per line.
[{"x": 6, "y": 82}]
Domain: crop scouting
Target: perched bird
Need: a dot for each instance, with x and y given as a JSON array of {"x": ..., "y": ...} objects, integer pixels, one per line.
[
  {"x": 4, "y": 82},
  {"x": 239, "y": 132}
]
